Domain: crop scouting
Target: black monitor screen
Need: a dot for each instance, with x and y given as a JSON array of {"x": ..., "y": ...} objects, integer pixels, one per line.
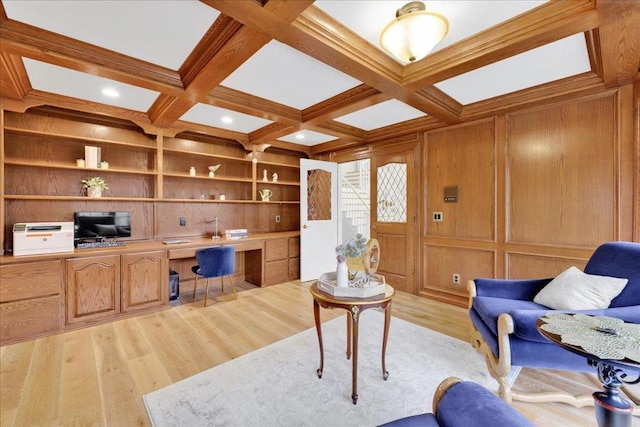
[{"x": 98, "y": 225}]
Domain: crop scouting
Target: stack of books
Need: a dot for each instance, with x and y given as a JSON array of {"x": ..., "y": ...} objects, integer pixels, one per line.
[{"x": 238, "y": 233}]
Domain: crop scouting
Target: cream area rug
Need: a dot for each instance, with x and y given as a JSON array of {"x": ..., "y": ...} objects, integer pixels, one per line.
[{"x": 277, "y": 385}]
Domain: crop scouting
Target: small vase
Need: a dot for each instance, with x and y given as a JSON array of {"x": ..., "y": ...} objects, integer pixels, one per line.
[
  {"x": 94, "y": 192},
  {"x": 342, "y": 275}
]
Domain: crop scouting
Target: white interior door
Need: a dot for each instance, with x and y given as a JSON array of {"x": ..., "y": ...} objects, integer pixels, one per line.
[{"x": 318, "y": 217}]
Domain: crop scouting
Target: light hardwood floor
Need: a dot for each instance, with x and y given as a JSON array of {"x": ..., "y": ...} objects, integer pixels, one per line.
[{"x": 97, "y": 376}]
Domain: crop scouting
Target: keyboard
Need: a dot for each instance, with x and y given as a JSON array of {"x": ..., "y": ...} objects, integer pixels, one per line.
[
  {"x": 90, "y": 245},
  {"x": 175, "y": 241}
]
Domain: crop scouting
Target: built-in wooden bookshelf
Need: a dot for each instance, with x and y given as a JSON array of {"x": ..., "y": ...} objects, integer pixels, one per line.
[{"x": 42, "y": 178}]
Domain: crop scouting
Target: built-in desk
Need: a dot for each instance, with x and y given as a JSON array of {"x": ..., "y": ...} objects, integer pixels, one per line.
[{"x": 45, "y": 294}]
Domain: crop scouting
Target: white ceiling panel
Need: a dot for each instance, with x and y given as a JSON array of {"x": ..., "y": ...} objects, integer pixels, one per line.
[
  {"x": 223, "y": 118},
  {"x": 161, "y": 32},
  {"x": 380, "y": 115},
  {"x": 63, "y": 81},
  {"x": 307, "y": 137},
  {"x": 281, "y": 74},
  {"x": 564, "y": 58}
]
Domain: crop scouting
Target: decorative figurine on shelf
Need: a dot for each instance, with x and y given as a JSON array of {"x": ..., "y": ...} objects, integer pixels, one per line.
[
  {"x": 274, "y": 178},
  {"x": 192, "y": 171},
  {"x": 212, "y": 170},
  {"x": 264, "y": 176},
  {"x": 266, "y": 194}
]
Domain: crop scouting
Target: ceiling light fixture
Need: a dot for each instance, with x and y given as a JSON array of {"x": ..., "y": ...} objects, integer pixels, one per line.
[
  {"x": 226, "y": 119},
  {"x": 300, "y": 136},
  {"x": 414, "y": 32}
]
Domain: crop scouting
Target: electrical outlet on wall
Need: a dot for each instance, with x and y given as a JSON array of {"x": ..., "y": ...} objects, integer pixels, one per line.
[
  {"x": 277, "y": 218},
  {"x": 437, "y": 216},
  {"x": 456, "y": 278},
  {"x": 183, "y": 221}
]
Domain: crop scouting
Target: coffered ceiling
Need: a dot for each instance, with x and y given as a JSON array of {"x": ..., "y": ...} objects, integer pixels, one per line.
[{"x": 306, "y": 75}]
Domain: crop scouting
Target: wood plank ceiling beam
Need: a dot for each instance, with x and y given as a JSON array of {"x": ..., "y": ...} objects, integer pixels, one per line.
[
  {"x": 547, "y": 23},
  {"x": 227, "y": 46},
  {"x": 14, "y": 82},
  {"x": 619, "y": 30},
  {"x": 239, "y": 46},
  {"x": 41, "y": 45},
  {"x": 232, "y": 99},
  {"x": 316, "y": 34},
  {"x": 354, "y": 99}
]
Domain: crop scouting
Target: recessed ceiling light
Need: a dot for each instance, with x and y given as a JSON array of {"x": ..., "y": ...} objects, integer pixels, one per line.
[
  {"x": 300, "y": 136},
  {"x": 227, "y": 119},
  {"x": 110, "y": 92}
]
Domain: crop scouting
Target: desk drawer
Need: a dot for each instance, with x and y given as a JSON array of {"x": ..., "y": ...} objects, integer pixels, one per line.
[
  {"x": 29, "y": 280},
  {"x": 276, "y": 249},
  {"x": 276, "y": 272},
  {"x": 30, "y": 318},
  {"x": 182, "y": 253}
]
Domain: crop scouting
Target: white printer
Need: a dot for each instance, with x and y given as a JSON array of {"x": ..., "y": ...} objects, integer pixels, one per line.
[{"x": 33, "y": 238}]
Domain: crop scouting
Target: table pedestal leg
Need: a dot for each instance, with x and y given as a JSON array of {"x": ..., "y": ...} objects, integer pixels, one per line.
[
  {"x": 349, "y": 334},
  {"x": 316, "y": 316},
  {"x": 355, "y": 311},
  {"x": 611, "y": 409},
  {"x": 387, "y": 321}
]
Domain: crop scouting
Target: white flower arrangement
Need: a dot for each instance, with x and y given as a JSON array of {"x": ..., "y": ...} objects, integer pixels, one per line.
[
  {"x": 95, "y": 182},
  {"x": 352, "y": 248}
]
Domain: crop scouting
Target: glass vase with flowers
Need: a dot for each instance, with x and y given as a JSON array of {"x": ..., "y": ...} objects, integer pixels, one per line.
[{"x": 352, "y": 248}]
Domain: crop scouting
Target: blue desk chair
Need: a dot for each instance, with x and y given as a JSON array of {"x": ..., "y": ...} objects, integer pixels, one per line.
[{"x": 218, "y": 261}]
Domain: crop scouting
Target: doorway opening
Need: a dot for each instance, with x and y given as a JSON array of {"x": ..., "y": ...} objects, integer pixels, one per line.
[{"x": 355, "y": 199}]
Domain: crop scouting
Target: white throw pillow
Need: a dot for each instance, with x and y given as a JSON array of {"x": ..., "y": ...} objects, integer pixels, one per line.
[{"x": 575, "y": 290}]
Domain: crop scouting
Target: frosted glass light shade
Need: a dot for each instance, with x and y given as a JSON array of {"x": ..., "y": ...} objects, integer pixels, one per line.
[{"x": 410, "y": 37}]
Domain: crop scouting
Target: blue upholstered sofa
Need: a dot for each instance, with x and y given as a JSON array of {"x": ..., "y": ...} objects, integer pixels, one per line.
[
  {"x": 503, "y": 316},
  {"x": 458, "y": 403}
]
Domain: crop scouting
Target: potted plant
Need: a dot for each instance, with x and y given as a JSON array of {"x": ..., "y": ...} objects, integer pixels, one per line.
[
  {"x": 94, "y": 186},
  {"x": 352, "y": 248}
]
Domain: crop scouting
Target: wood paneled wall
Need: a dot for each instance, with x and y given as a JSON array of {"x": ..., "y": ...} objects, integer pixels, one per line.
[{"x": 538, "y": 191}]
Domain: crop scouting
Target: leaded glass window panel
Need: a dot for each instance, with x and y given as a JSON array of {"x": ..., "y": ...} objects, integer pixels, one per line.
[
  {"x": 318, "y": 195},
  {"x": 392, "y": 193}
]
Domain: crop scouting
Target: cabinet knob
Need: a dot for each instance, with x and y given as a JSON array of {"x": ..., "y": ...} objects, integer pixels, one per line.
[{"x": 305, "y": 226}]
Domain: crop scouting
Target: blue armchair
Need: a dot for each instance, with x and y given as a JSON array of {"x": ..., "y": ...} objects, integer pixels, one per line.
[
  {"x": 458, "y": 403},
  {"x": 503, "y": 316}
]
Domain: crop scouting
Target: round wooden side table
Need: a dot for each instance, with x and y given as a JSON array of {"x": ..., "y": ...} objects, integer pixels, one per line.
[{"x": 353, "y": 306}]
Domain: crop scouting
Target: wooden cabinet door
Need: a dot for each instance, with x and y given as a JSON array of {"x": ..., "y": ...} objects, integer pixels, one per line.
[
  {"x": 145, "y": 280},
  {"x": 93, "y": 288}
]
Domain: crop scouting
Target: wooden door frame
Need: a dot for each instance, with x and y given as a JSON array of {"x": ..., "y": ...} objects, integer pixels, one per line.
[{"x": 406, "y": 144}]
